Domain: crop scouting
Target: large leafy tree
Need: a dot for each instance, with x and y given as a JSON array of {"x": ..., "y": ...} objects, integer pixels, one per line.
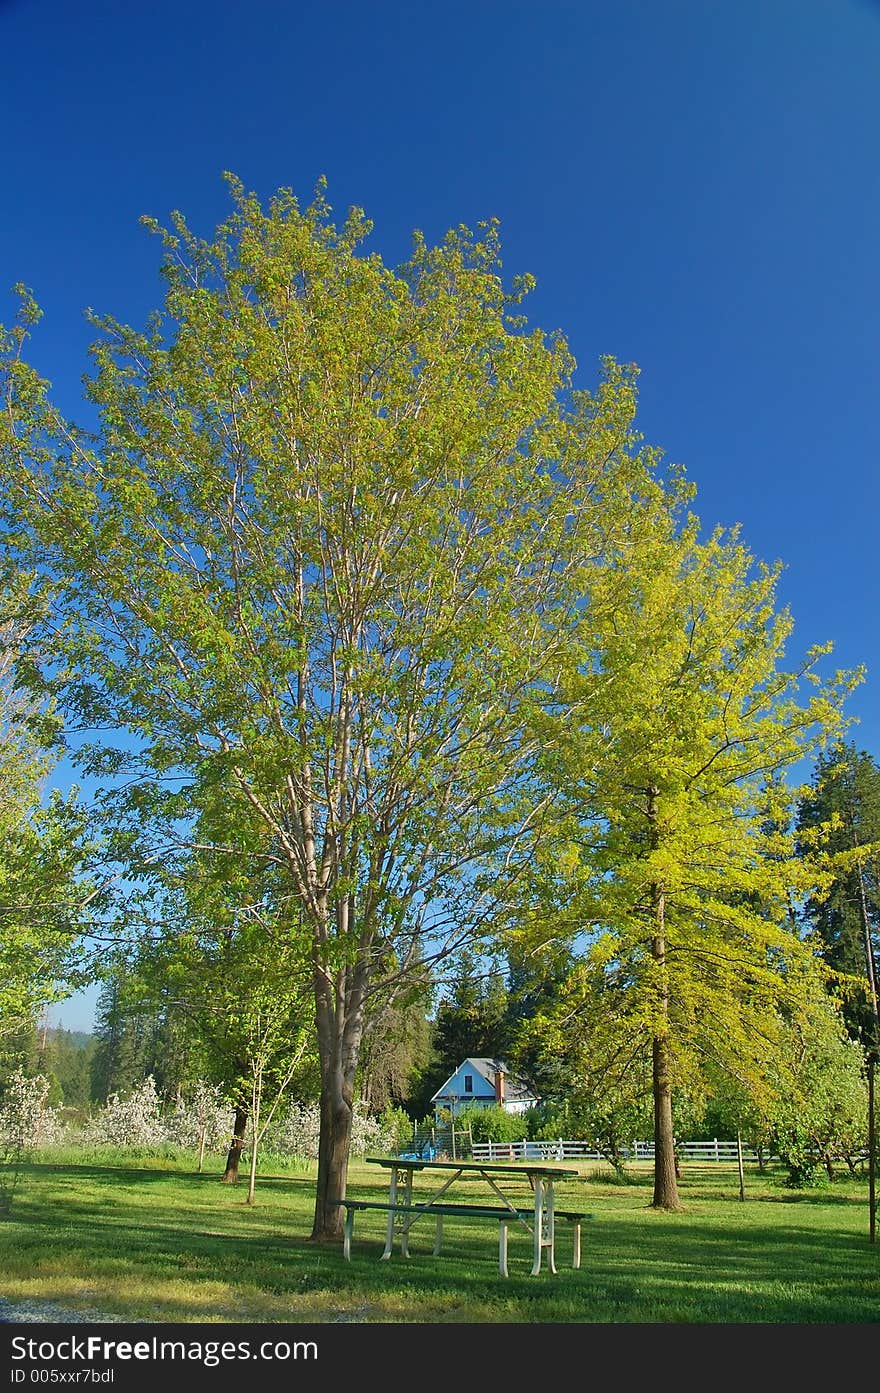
[
  {"x": 396, "y": 1049},
  {"x": 816, "y": 1114},
  {"x": 44, "y": 841},
  {"x": 676, "y": 870},
  {"x": 321, "y": 557}
]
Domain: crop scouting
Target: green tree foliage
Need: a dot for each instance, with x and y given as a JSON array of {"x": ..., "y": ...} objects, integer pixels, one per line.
[
  {"x": 840, "y": 814},
  {"x": 396, "y": 1050},
  {"x": 591, "y": 1066},
  {"x": 675, "y": 871},
  {"x": 44, "y": 843},
  {"x": 816, "y": 1117},
  {"x": 126, "y": 1034},
  {"x": 471, "y": 1021},
  {"x": 225, "y": 961},
  {"x": 64, "y": 1057},
  {"x": 322, "y": 558},
  {"x": 471, "y": 1016},
  {"x": 493, "y": 1124}
]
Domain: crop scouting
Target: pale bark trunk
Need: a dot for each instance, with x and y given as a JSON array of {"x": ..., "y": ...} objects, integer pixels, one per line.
[{"x": 256, "y": 1099}]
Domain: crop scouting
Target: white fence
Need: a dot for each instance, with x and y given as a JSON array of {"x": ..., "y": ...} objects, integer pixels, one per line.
[{"x": 713, "y": 1150}]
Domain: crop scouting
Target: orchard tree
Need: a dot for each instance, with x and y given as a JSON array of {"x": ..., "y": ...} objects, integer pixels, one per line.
[
  {"x": 229, "y": 966},
  {"x": 816, "y": 1115},
  {"x": 675, "y": 869},
  {"x": 321, "y": 558},
  {"x": 840, "y": 813}
]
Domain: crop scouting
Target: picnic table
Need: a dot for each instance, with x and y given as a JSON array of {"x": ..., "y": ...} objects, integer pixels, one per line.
[{"x": 534, "y": 1180}]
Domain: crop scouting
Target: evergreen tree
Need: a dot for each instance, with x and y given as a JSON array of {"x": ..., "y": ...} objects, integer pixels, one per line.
[
  {"x": 65, "y": 1057},
  {"x": 471, "y": 1020},
  {"x": 123, "y": 1037},
  {"x": 841, "y": 810}
]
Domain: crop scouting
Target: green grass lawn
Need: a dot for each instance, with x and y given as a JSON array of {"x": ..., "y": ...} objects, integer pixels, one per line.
[{"x": 154, "y": 1240}]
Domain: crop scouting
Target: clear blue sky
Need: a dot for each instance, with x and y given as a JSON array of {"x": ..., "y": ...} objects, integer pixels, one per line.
[{"x": 694, "y": 183}]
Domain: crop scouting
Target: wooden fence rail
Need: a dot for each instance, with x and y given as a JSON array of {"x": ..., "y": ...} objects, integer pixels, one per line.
[{"x": 712, "y": 1150}]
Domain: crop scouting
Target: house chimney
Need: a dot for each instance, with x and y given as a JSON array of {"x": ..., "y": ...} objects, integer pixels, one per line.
[{"x": 499, "y": 1085}]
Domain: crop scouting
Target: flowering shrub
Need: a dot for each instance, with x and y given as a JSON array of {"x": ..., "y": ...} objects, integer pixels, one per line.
[
  {"x": 143, "y": 1121},
  {"x": 203, "y": 1115},
  {"x": 296, "y": 1133},
  {"x": 133, "y": 1121},
  {"x": 26, "y": 1120}
]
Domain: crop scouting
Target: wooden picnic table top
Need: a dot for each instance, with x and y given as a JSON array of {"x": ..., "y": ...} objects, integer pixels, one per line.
[{"x": 478, "y": 1167}]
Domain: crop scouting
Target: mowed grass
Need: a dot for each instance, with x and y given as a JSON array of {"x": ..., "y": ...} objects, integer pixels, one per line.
[{"x": 155, "y": 1240}]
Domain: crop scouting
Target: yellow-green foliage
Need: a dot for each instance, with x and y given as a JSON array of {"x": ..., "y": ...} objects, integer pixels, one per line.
[{"x": 673, "y": 873}]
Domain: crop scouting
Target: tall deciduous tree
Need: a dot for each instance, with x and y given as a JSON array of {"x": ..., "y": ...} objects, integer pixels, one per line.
[
  {"x": 44, "y": 844},
  {"x": 679, "y": 869},
  {"x": 322, "y": 556}
]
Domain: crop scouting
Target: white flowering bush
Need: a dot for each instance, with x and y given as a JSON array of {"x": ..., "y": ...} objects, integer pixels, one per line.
[
  {"x": 203, "y": 1116},
  {"x": 201, "y": 1120},
  {"x": 26, "y": 1119},
  {"x": 133, "y": 1121},
  {"x": 26, "y": 1122},
  {"x": 296, "y": 1133}
]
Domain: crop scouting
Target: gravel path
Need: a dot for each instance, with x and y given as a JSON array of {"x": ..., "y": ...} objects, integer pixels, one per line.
[{"x": 48, "y": 1313}]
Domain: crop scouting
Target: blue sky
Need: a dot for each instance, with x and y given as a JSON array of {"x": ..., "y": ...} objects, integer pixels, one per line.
[{"x": 695, "y": 184}]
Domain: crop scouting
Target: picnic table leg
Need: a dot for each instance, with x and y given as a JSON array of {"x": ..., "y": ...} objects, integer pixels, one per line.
[
  {"x": 502, "y": 1247},
  {"x": 346, "y": 1234},
  {"x": 392, "y": 1202},
  {"x": 539, "y": 1224},
  {"x": 576, "y": 1252},
  {"x": 549, "y": 1238},
  {"x": 407, "y": 1200}
]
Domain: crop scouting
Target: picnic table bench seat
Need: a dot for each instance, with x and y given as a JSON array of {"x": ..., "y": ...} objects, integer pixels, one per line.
[{"x": 441, "y": 1209}]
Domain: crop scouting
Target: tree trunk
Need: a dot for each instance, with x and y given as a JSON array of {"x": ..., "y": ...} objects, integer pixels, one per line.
[
  {"x": 230, "y": 1175},
  {"x": 333, "y": 1151},
  {"x": 339, "y": 1018},
  {"x": 256, "y": 1100},
  {"x": 665, "y": 1164},
  {"x": 872, "y": 1155},
  {"x": 665, "y": 1183}
]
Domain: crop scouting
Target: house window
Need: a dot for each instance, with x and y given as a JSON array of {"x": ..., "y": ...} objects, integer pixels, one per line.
[{"x": 468, "y": 1083}]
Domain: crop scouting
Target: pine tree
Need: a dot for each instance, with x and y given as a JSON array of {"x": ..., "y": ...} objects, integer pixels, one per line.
[{"x": 842, "y": 810}]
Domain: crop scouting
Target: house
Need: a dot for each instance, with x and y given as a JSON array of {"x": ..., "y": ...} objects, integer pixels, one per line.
[{"x": 483, "y": 1083}]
